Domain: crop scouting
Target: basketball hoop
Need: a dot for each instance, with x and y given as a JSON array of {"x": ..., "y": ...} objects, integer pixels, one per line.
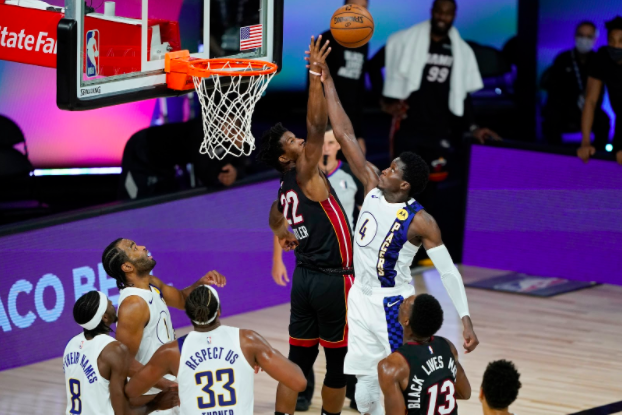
[{"x": 228, "y": 90}]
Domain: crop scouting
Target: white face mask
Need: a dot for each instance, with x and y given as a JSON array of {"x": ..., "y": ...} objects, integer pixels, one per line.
[{"x": 584, "y": 44}]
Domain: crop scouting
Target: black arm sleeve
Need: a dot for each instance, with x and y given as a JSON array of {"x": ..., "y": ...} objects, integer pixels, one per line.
[
  {"x": 468, "y": 119},
  {"x": 374, "y": 70}
]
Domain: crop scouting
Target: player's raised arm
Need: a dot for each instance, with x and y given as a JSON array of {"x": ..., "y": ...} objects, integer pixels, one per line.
[
  {"x": 317, "y": 115},
  {"x": 424, "y": 230},
  {"x": 392, "y": 373},
  {"x": 117, "y": 357},
  {"x": 463, "y": 387},
  {"x": 344, "y": 133},
  {"x": 177, "y": 297},
  {"x": 259, "y": 352},
  {"x": 159, "y": 365}
]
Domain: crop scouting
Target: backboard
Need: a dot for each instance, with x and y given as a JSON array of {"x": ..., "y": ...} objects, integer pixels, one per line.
[{"x": 112, "y": 52}]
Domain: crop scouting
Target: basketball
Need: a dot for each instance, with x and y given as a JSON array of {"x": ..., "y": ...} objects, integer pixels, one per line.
[{"x": 352, "y": 26}]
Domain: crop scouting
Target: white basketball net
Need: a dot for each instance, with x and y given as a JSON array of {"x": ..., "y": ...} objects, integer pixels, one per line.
[{"x": 228, "y": 110}]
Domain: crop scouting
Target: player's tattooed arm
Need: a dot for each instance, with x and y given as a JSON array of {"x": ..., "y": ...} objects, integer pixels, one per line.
[
  {"x": 258, "y": 352},
  {"x": 177, "y": 297},
  {"x": 463, "y": 387},
  {"x": 393, "y": 373},
  {"x": 317, "y": 117},
  {"x": 344, "y": 133},
  {"x": 278, "y": 224},
  {"x": 117, "y": 357},
  {"x": 164, "y": 361}
]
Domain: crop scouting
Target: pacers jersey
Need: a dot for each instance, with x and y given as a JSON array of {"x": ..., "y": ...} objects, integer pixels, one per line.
[
  {"x": 88, "y": 392},
  {"x": 159, "y": 329},
  {"x": 382, "y": 253},
  {"x": 214, "y": 377},
  {"x": 322, "y": 228},
  {"x": 431, "y": 384}
]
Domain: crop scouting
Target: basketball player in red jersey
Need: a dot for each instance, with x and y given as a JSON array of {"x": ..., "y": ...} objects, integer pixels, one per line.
[{"x": 322, "y": 239}]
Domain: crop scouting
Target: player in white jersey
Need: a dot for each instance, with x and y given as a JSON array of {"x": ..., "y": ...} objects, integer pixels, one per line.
[
  {"x": 144, "y": 319},
  {"x": 96, "y": 365},
  {"x": 215, "y": 364},
  {"x": 391, "y": 228}
]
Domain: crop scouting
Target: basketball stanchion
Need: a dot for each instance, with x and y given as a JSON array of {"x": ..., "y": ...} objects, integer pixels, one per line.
[{"x": 228, "y": 90}]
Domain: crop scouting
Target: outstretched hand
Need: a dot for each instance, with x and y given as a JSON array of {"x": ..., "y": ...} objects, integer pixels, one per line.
[
  {"x": 213, "y": 278},
  {"x": 325, "y": 72},
  {"x": 317, "y": 54}
]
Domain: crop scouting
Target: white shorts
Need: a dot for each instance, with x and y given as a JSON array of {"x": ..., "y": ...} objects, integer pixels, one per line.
[{"x": 374, "y": 331}]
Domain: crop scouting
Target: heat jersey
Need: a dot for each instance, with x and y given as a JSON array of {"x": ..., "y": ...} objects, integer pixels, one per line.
[
  {"x": 87, "y": 391},
  {"x": 214, "y": 376},
  {"x": 382, "y": 253},
  {"x": 431, "y": 384},
  {"x": 159, "y": 329},
  {"x": 322, "y": 228}
]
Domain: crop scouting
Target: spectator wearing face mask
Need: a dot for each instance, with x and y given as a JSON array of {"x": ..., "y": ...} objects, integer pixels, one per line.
[
  {"x": 604, "y": 70},
  {"x": 565, "y": 82}
]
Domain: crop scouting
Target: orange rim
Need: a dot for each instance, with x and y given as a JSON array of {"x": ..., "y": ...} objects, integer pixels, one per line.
[{"x": 204, "y": 68}]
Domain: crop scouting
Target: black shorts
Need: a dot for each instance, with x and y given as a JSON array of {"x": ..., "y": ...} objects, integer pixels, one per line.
[{"x": 318, "y": 309}]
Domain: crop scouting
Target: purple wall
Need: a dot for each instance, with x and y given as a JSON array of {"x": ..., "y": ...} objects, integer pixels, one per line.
[
  {"x": 43, "y": 272},
  {"x": 544, "y": 214}
]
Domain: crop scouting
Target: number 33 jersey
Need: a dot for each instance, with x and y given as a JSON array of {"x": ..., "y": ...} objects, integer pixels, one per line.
[
  {"x": 322, "y": 228},
  {"x": 382, "y": 252},
  {"x": 214, "y": 377}
]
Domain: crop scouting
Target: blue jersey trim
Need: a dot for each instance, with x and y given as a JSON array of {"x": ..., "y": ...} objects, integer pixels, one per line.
[
  {"x": 180, "y": 342},
  {"x": 392, "y": 245},
  {"x": 394, "y": 329}
]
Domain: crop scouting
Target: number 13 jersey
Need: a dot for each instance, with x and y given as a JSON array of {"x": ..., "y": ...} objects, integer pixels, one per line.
[
  {"x": 322, "y": 228},
  {"x": 382, "y": 253},
  {"x": 214, "y": 377}
]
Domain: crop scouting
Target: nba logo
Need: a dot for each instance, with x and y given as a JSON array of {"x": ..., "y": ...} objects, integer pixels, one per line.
[
  {"x": 431, "y": 350},
  {"x": 209, "y": 340},
  {"x": 92, "y": 53},
  {"x": 81, "y": 344}
]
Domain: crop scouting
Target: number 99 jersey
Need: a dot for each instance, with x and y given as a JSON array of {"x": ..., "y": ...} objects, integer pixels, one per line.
[
  {"x": 382, "y": 252},
  {"x": 214, "y": 377}
]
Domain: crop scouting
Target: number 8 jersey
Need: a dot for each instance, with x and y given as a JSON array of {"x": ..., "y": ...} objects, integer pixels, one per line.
[
  {"x": 88, "y": 392},
  {"x": 214, "y": 377},
  {"x": 382, "y": 253}
]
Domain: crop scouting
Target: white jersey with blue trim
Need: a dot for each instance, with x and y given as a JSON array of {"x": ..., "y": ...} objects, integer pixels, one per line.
[
  {"x": 159, "y": 329},
  {"x": 214, "y": 377},
  {"x": 382, "y": 253},
  {"x": 88, "y": 393}
]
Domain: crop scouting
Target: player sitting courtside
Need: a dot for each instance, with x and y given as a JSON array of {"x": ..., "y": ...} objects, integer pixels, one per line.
[
  {"x": 214, "y": 364},
  {"x": 423, "y": 377},
  {"x": 390, "y": 230},
  {"x": 499, "y": 388},
  {"x": 144, "y": 319},
  {"x": 324, "y": 273},
  {"x": 96, "y": 365}
]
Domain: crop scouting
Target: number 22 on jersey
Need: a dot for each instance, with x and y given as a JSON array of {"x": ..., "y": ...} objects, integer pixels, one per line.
[{"x": 291, "y": 198}]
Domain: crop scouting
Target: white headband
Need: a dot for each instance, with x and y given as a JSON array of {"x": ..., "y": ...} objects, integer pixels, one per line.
[
  {"x": 215, "y": 294},
  {"x": 97, "y": 318}
]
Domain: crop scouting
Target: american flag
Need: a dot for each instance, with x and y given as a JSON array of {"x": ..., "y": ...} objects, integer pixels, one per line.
[{"x": 251, "y": 37}]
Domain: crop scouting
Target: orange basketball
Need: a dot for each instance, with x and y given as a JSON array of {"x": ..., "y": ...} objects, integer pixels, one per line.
[{"x": 352, "y": 26}]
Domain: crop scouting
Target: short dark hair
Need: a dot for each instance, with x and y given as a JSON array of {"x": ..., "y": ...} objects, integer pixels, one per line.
[
  {"x": 614, "y": 24},
  {"x": 84, "y": 310},
  {"x": 501, "y": 384},
  {"x": 586, "y": 23},
  {"x": 112, "y": 260},
  {"x": 451, "y": 1},
  {"x": 271, "y": 147},
  {"x": 201, "y": 304},
  {"x": 416, "y": 172},
  {"x": 426, "y": 317}
]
